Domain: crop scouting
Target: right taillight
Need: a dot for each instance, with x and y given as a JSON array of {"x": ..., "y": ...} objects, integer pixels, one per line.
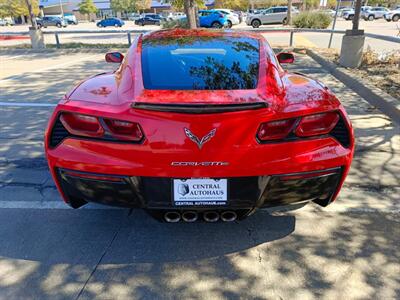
[{"x": 306, "y": 126}]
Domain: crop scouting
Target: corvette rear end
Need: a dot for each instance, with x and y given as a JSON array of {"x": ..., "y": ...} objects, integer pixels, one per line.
[{"x": 199, "y": 124}]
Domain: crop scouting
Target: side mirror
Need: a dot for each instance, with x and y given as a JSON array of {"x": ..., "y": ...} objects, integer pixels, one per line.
[
  {"x": 285, "y": 58},
  {"x": 114, "y": 57}
]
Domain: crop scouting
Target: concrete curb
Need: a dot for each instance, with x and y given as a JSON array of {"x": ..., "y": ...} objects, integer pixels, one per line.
[{"x": 375, "y": 96}]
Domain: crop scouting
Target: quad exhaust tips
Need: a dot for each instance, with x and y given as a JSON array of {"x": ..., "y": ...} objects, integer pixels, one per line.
[
  {"x": 228, "y": 216},
  {"x": 172, "y": 217},
  {"x": 190, "y": 216},
  {"x": 211, "y": 216}
]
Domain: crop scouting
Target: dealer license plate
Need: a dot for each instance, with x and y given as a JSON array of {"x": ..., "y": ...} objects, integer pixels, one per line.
[{"x": 197, "y": 192}]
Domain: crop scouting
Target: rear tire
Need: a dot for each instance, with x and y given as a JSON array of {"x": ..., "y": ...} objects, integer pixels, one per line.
[
  {"x": 229, "y": 25},
  {"x": 371, "y": 18},
  {"x": 284, "y": 22},
  {"x": 256, "y": 23},
  {"x": 351, "y": 18},
  {"x": 216, "y": 25},
  {"x": 396, "y": 18}
]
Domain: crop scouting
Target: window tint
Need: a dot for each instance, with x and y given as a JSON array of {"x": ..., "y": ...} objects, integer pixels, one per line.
[{"x": 200, "y": 63}]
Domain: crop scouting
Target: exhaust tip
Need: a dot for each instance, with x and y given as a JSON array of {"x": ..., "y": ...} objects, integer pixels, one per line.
[
  {"x": 172, "y": 217},
  {"x": 211, "y": 216},
  {"x": 228, "y": 216},
  {"x": 190, "y": 216}
]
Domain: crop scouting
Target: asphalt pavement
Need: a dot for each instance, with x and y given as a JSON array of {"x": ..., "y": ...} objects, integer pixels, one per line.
[{"x": 349, "y": 250}]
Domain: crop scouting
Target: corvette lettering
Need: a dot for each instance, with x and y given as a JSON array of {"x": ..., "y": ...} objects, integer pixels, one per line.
[{"x": 199, "y": 163}]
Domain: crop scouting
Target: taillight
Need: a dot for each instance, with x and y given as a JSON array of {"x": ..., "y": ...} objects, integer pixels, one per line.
[
  {"x": 101, "y": 128},
  {"x": 83, "y": 125},
  {"x": 318, "y": 124},
  {"x": 125, "y": 130},
  {"x": 275, "y": 130},
  {"x": 312, "y": 125}
]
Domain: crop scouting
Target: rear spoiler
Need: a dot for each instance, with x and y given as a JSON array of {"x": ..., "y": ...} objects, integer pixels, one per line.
[{"x": 199, "y": 108}]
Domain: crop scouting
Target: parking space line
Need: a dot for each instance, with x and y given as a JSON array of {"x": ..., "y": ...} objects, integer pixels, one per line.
[
  {"x": 27, "y": 104},
  {"x": 48, "y": 205},
  {"x": 68, "y": 63}
]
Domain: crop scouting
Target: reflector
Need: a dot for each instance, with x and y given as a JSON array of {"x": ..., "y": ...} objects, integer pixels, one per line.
[{"x": 318, "y": 124}]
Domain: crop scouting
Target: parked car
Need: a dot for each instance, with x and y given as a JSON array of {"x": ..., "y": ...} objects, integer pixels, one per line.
[
  {"x": 212, "y": 19},
  {"x": 116, "y": 22},
  {"x": 349, "y": 15},
  {"x": 149, "y": 19},
  {"x": 173, "y": 16},
  {"x": 273, "y": 15},
  {"x": 330, "y": 12},
  {"x": 134, "y": 16},
  {"x": 393, "y": 15},
  {"x": 8, "y": 21},
  {"x": 233, "y": 18},
  {"x": 373, "y": 13},
  {"x": 344, "y": 10},
  {"x": 71, "y": 19},
  {"x": 167, "y": 139},
  {"x": 51, "y": 21}
]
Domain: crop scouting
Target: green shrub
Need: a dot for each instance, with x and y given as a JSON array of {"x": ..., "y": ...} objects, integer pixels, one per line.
[
  {"x": 181, "y": 23},
  {"x": 307, "y": 19}
]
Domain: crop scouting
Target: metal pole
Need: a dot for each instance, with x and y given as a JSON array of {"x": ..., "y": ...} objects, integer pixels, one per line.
[
  {"x": 129, "y": 39},
  {"x": 58, "y": 45},
  {"x": 334, "y": 22},
  {"x": 291, "y": 38}
]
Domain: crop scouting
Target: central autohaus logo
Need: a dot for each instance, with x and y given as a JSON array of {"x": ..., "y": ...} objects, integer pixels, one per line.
[{"x": 209, "y": 189}]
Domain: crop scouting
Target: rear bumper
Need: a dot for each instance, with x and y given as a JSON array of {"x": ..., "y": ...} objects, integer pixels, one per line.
[{"x": 156, "y": 192}]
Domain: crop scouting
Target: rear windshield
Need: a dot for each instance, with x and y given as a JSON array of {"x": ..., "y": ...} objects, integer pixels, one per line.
[{"x": 200, "y": 63}]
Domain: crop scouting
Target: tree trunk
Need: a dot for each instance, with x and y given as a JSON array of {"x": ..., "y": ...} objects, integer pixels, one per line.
[
  {"x": 190, "y": 10},
  {"x": 31, "y": 14},
  {"x": 357, "y": 12},
  {"x": 289, "y": 13}
]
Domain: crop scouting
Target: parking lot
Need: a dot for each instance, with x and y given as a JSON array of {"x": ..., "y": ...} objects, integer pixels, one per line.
[
  {"x": 48, "y": 251},
  {"x": 277, "y": 39}
]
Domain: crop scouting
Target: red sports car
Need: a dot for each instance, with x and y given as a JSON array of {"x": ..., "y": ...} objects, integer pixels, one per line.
[{"x": 199, "y": 124}]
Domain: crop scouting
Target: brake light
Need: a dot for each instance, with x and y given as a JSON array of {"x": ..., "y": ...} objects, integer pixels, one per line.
[
  {"x": 82, "y": 125},
  {"x": 275, "y": 130},
  {"x": 95, "y": 127},
  {"x": 125, "y": 130},
  {"x": 318, "y": 124}
]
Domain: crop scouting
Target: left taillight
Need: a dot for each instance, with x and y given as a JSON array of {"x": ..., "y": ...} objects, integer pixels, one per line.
[
  {"x": 80, "y": 125},
  {"x": 306, "y": 126}
]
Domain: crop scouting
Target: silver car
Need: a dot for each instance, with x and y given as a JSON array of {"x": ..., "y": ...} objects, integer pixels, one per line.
[
  {"x": 393, "y": 15},
  {"x": 272, "y": 15},
  {"x": 374, "y": 13}
]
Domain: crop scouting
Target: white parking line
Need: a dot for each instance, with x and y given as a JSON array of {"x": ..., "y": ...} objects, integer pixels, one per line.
[
  {"x": 47, "y": 205},
  {"x": 72, "y": 62},
  {"x": 27, "y": 104}
]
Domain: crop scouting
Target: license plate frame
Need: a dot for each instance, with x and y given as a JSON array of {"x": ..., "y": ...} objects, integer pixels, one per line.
[{"x": 200, "y": 192}]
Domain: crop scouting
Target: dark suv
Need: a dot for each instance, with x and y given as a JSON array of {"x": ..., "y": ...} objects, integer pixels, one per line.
[{"x": 51, "y": 21}]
